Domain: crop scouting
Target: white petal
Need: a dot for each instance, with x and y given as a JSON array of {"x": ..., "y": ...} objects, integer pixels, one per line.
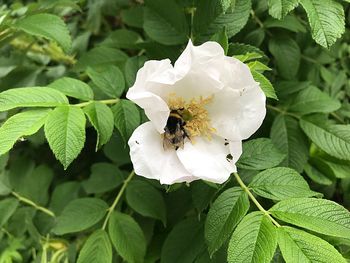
[
  {"x": 207, "y": 159},
  {"x": 235, "y": 150},
  {"x": 150, "y": 160}
]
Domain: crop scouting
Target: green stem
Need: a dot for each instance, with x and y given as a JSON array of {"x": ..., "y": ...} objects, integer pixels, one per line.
[
  {"x": 256, "y": 202},
  {"x": 116, "y": 200},
  {"x": 336, "y": 116},
  {"x": 282, "y": 111},
  {"x": 31, "y": 203},
  {"x": 83, "y": 104}
]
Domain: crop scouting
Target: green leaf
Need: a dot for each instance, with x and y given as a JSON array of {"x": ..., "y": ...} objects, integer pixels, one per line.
[
  {"x": 65, "y": 133},
  {"x": 19, "y": 125},
  {"x": 316, "y": 176},
  {"x": 290, "y": 22},
  {"x": 212, "y": 15},
  {"x": 290, "y": 139},
  {"x": 299, "y": 246},
  {"x": 122, "y": 38},
  {"x": 97, "y": 248},
  {"x": 80, "y": 214},
  {"x": 257, "y": 66},
  {"x": 7, "y": 207},
  {"x": 223, "y": 216},
  {"x": 133, "y": 16},
  {"x": 132, "y": 65},
  {"x": 165, "y": 22},
  {"x": 287, "y": 55},
  {"x": 126, "y": 118},
  {"x": 109, "y": 79},
  {"x": 319, "y": 215},
  {"x": 127, "y": 237},
  {"x": 184, "y": 243},
  {"x": 326, "y": 19},
  {"x": 280, "y": 183},
  {"x": 146, "y": 200},
  {"x": 333, "y": 139},
  {"x": 313, "y": 100},
  {"x": 259, "y": 154},
  {"x": 254, "y": 240},
  {"x": 101, "y": 117},
  {"x": 265, "y": 85},
  {"x": 280, "y": 8},
  {"x": 221, "y": 38},
  {"x": 48, "y": 26},
  {"x": 73, "y": 88},
  {"x": 63, "y": 194},
  {"x": 31, "y": 97}
]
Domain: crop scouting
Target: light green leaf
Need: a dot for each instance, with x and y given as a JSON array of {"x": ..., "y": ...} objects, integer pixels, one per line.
[
  {"x": 65, "y": 133},
  {"x": 265, "y": 85},
  {"x": 290, "y": 139},
  {"x": 280, "y": 8},
  {"x": 7, "y": 207},
  {"x": 257, "y": 66},
  {"x": 333, "y": 139},
  {"x": 326, "y": 19},
  {"x": 109, "y": 79},
  {"x": 126, "y": 118},
  {"x": 97, "y": 248},
  {"x": 184, "y": 243},
  {"x": 22, "y": 124},
  {"x": 146, "y": 200},
  {"x": 299, "y": 246},
  {"x": 313, "y": 100},
  {"x": 31, "y": 97},
  {"x": 165, "y": 22},
  {"x": 48, "y": 26},
  {"x": 127, "y": 237},
  {"x": 80, "y": 214},
  {"x": 259, "y": 154},
  {"x": 319, "y": 215},
  {"x": 254, "y": 240},
  {"x": 280, "y": 183},
  {"x": 223, "y": 216},
  {"x": 73, "y": 88},
  {"x": 101, "y": 117}
]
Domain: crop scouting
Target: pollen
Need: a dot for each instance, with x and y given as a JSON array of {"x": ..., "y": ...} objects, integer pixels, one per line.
[{"x": 195, "y": 115}]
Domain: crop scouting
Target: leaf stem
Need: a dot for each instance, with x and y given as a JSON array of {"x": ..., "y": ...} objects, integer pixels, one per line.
[
  {"x": 31, "y": 203},
  {"x": 282, "y": 111},
  {"x": 116, "y": 200},
  {"x": 83, "y": 104},
  {"x": 256, "y": 202}
]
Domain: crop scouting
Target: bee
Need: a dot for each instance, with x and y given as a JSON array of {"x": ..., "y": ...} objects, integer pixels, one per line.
[{"x": 175, "y": 133}]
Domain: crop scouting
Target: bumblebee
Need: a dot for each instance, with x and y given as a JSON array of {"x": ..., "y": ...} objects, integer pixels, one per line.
[{"x": 175, "y": 133}]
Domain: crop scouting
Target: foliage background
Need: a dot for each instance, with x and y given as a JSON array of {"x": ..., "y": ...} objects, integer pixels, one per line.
[{"x": 67, "y": 190}]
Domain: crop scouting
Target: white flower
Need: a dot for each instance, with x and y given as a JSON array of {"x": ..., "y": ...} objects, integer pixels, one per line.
[{"x": 207, "y": 102}]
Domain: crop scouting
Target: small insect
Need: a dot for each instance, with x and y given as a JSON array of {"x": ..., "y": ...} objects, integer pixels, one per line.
[{"x": 175, "y": 132}]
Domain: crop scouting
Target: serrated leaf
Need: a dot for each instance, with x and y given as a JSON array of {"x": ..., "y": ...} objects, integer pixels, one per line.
[
  {"x": 127, "y": 237},
  {"x": 146, "y": 200},
  {"x": 48, "y": 26},
  {"x": 109, "y": 79},
  {"x": 165, "y": 22},
  {"x": 7, "y": 207},
  {"x": 299, "y": 246},
  {"x": 31, "y": 97},
  {"x": 97, "y": 248},
  {"x": 73, "y": 88},
  {"x": 101, "y": 117},
  {"x": 254, "y": 240},
  {"x": 313, "y": 100},
  {"x": 333, "y": 139},
  {"x": 22, "y": 124},
  {"x": 280, "y": 183},
  {"x": 235, "y": 49},
  {"x": 280, "y": 8},
  {"x": 80, "y": 214},
  {"x": 223, "y": 216},
  {"x": 319, "y": 215},
  {"x": 132, "y": 65},
  {"x": 290, "y": 139},
  {"x": 65, "y": 133},
  {"x": 257, "y": 66},
  {"x": 290, "y": 22},
  {"x": 126, "y": 118},
  {"x": 326, "y": 19},
  {"x": 259, "y": 154},
  {"x": 184, "y": 243},
  {"x": 265, "y": 84}
]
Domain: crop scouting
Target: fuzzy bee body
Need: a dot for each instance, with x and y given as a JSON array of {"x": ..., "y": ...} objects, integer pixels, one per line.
[{"x": 175, "y": 132}]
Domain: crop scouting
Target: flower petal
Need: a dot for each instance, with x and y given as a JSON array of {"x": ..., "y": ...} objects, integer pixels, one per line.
[
  {"x": 207, "y": 159},
  {"x": 235, "y": 150},
  {"x": 150, "y": 160}
]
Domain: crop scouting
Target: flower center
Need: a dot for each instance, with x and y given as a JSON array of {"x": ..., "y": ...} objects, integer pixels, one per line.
[{"x": 194, "y": 114}]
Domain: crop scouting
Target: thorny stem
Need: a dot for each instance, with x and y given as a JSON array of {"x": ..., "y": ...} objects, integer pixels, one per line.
[
  {"x": 282, "y": 111},
  {"x": 83, "y": 104},
  {"x": 116, "y": 200},
  {"x": 31, "y": 203},
  {"x": 252, "y": 197}
]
